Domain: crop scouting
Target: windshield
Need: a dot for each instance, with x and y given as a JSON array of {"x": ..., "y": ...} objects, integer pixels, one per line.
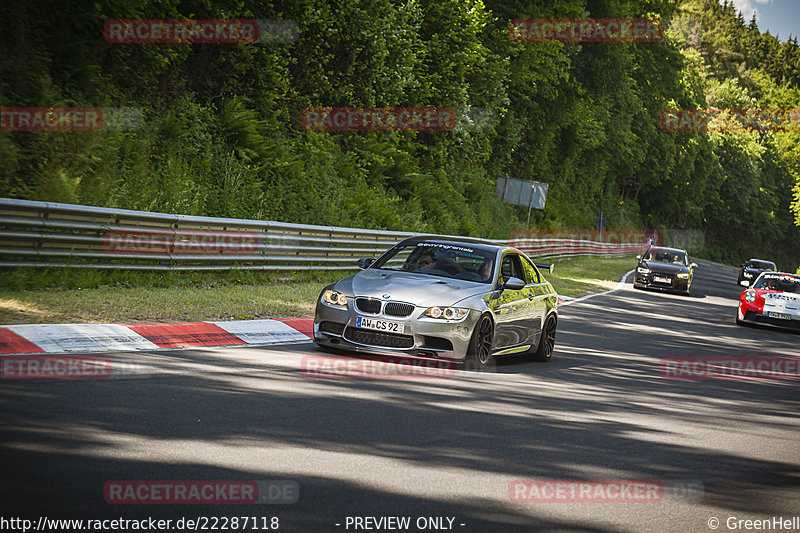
[
  {"x": 778, "y": 282},
  {"x": 761, "y": 265},
  {"x": 447, "y": 260},
  {"x": 666, "y": 256}
]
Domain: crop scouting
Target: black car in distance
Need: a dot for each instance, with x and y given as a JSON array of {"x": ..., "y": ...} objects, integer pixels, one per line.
[
  {"x": 750, "y": 270},
  {"x": 666, "y": 269}
]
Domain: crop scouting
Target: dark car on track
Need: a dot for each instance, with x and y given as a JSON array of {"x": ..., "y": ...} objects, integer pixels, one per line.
[
  {"x": 773, "y": 299},
  {"x": 459, "y": 299},
  {"x": 751, "y": 269},
  {"x": 665, "y": 269}
]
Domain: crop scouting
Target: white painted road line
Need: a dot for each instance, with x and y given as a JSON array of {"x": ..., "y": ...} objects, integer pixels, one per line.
[{"x": 588, "y": 296}]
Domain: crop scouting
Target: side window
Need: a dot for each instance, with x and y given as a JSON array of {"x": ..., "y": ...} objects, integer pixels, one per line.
[
  {"x": 531, "y": 273},
  {"x": 512, "y": 267}
]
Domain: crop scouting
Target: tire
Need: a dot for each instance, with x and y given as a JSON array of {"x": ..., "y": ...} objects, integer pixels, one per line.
[
  {"x": 479, "y": 353},
  {"x": 548, "y": 340}
]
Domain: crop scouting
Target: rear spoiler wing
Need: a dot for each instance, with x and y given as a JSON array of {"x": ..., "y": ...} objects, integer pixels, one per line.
[{"x": 544, "y": 266}]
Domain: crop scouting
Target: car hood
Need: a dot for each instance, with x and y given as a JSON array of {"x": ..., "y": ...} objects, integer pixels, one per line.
[
  {"x": 667, "y": 268},
  {"x": 419, "y": 289}
]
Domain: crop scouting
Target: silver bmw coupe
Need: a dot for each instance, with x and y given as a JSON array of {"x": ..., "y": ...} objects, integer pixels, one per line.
[{"x": 464, "y": 300}]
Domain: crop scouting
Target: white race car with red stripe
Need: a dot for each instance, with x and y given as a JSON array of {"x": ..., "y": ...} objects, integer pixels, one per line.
[{"x": 773, "y": 299}]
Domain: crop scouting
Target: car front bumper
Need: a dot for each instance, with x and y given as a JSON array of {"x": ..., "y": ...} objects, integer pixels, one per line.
[
  {"x": 754, "y": 315},
  {"x": 646, "y": 281},
  {"x": 335, "y": 327}
]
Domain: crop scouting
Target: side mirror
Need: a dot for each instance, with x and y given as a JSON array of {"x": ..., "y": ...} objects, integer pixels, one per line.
[
  {"x": 639, "y": 257},
  {"x": 513, "y": 284},
  {"x": 693, "y": 265},
  {"x": 744, "y": 283},
  {"x": 364, "y": 262}
]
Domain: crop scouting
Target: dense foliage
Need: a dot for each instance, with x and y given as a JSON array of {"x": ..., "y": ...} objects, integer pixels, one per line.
[{"x": 222, "y": 135}]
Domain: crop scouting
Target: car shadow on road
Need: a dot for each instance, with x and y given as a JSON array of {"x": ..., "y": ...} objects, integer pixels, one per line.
[
  {"x": 557, "y": 421},
  {"x": 438, "y": 445}
]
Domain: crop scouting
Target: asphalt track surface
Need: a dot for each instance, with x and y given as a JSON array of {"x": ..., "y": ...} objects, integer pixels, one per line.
[{"x": 449, "y": 446}]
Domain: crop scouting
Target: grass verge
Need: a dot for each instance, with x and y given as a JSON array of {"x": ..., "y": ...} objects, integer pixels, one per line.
[
  {"x": 31, "y": 296},
  {"x": 578, "y": 276}
]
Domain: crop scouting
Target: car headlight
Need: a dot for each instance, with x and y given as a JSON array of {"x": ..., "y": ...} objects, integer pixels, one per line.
[
  {"x": 446, "y": 313},
  {"x": 750, "y": 296},
  {"x": 334, "y": 298},
  {"x": 748, "y": 275},
  {"x": 642, "y": 270},
  {"x": 683, "y": 275}
]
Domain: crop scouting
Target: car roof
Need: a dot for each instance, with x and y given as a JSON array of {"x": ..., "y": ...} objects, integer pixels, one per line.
[
  {"x": 663, "y": 249},
  {"x": 443, "y": 239},
  {"x": 762, "y": 260}
]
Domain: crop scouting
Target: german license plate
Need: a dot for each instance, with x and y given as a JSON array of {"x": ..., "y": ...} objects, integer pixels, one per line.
[
  {"x": 380, "y": 325},
  {"x": 782, "y": 316},
  {"x": 659, "y": 279}
]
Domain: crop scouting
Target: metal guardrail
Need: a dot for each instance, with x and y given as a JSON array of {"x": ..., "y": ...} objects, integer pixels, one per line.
[
  {"x": 42, "y": 234},
  {"x": 574, "y": 247}
]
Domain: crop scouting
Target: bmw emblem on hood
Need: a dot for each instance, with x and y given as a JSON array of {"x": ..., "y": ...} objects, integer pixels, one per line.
[{"x": 387, "y": 296}]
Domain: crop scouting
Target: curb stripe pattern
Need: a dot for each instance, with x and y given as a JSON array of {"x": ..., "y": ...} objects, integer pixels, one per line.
[
  {"x": 269, "y": 331},
  {"x": 186, "y": 334},
  {"x": 11, "y": 342},
  {"x": 70, "y": 338},
  {"x": 29, "y": 339},
  {"x": 303, "y": 325},
  {"x": 87, "y": 338}
]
